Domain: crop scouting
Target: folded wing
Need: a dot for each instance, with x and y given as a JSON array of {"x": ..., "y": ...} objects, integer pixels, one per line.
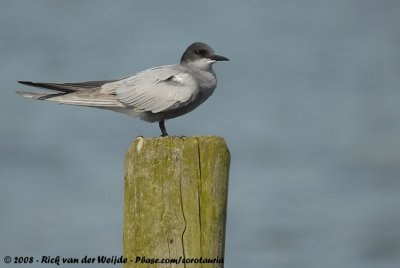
[{"x": 155, "y": 90}]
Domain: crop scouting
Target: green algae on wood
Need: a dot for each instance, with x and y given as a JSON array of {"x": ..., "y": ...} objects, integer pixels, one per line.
[{"x": 175, "y": 201}]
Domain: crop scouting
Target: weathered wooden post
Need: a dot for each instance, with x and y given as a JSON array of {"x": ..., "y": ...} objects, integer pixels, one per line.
[{"x": 175, "y": 202}]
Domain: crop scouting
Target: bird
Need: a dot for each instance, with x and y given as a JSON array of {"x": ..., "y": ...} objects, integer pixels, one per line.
[{"x": 154, "y": 95}]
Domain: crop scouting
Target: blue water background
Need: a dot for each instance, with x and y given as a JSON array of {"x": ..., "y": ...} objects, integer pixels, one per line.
[{"x": 309, "y": 105}]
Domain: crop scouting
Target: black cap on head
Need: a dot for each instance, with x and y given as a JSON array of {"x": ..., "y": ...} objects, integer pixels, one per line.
[{"x": 200, "y": 50}]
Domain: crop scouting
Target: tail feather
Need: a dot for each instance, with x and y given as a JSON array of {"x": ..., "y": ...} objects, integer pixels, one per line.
[
  {"x": 38, "y": 96},
  {"x": 80, "y": 94},
  {"x": 88, "y": 98}
]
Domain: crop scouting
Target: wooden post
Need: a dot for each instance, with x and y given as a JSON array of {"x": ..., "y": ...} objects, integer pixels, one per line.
[{"x": 175, "y": 202}]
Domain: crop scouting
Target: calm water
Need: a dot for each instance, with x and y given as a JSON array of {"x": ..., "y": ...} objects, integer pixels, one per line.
[{"x": 309, "y": 106}]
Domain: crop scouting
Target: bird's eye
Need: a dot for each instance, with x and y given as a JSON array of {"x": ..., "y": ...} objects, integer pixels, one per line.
[{"x": 201, "y": 52}]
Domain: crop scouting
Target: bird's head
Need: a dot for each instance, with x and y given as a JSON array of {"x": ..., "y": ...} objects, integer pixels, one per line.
[{"x": 200, "y": 55}]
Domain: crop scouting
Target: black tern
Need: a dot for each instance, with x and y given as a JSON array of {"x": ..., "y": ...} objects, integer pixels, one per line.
[{"x": 153, "y": 95}]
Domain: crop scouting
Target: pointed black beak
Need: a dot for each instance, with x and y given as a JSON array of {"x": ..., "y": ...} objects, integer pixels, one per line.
[{"x": 218, "y": 58}]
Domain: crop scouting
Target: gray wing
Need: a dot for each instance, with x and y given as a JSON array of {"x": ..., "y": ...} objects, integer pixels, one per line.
[{"x": 155, "y": 90}]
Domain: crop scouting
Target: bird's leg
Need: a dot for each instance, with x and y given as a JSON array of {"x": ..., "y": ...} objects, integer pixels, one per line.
[{"x": 163, "y": 129}]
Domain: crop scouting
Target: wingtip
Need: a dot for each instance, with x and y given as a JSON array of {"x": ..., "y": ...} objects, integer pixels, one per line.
[{"x": 25, "y": 82}]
